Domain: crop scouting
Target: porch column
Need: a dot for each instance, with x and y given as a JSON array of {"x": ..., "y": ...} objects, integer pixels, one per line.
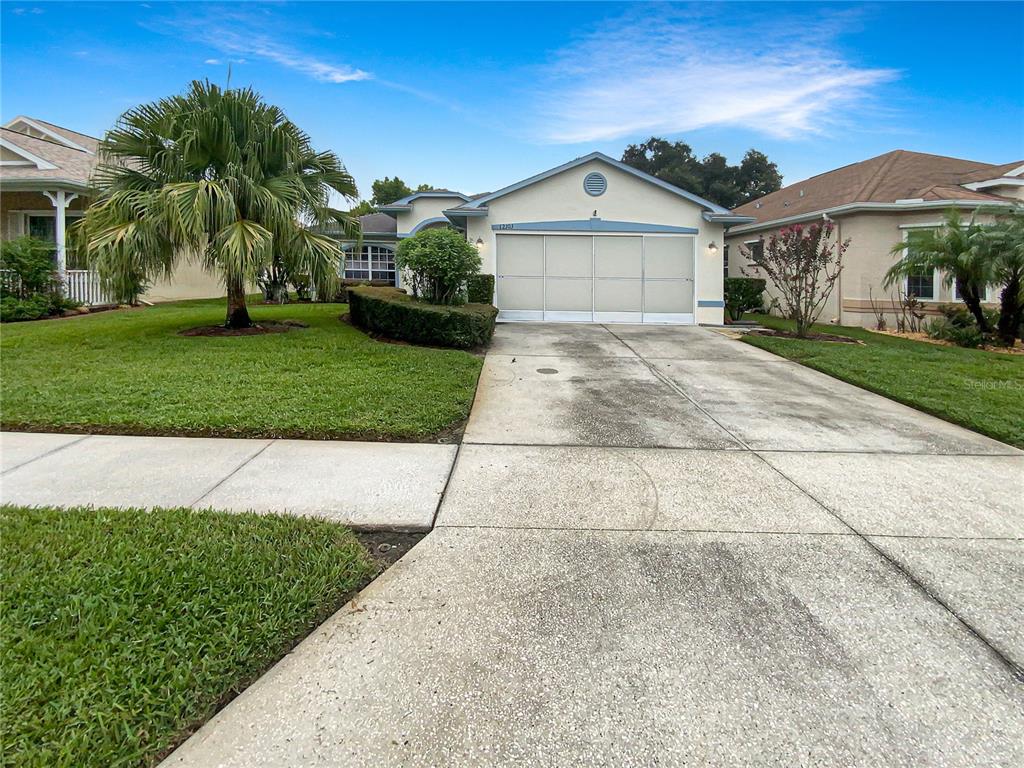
[{"x": 61, "y": 200}]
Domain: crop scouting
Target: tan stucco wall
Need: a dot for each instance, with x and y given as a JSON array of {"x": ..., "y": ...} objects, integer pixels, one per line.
[
  {"x": 628, "y": 198},
  {"x": 189, "y": 281},
  {"x": 872, "y": 236},
  {"x": 424, "y": 208}
]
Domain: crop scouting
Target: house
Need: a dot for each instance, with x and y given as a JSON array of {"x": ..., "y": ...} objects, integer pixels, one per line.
[
  {"x": 44, "y": 188},
  {"x": 876, "y": 204},
  {"x": 592, "y": 240}
]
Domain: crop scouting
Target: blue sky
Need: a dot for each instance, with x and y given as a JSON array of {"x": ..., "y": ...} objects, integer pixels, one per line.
[{"x": 474, "y": 96}]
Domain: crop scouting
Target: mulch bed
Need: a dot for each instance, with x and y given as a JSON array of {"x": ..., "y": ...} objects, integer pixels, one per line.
[
  {"x": 259, "y": 329},
  {"x": 808, "y": 337}
]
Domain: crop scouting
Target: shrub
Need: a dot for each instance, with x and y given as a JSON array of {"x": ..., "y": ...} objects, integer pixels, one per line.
[
  {"x": 396, "y": 315},
  {"x": 480, "y": 289},
  {"x": 439, "y": 262},
  {"x": 30, "y": 288},
  {"x": 742, "y": 294},
  {"x": 946, "y": 329}
]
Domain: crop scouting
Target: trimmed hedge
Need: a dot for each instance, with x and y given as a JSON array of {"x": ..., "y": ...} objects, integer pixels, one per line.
[
  {"x": 480, "y": 289},
  {"x": 396, "y": 315}
]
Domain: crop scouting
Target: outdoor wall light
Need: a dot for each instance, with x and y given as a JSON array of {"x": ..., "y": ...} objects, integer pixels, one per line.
[
  {"x": 712, "y": 248},
  {"x": 479, "y": 243}
]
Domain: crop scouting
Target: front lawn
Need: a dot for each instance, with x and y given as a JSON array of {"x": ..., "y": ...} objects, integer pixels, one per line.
[
  {"x": 130, "y": 372},
  {"x": 123, "y": 630},
  {"x": 980, "y": 390}
]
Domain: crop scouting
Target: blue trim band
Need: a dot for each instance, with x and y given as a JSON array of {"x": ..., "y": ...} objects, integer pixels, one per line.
[
  {"x": 593, "y": 225},
  {"x": 710, "y": 303}
]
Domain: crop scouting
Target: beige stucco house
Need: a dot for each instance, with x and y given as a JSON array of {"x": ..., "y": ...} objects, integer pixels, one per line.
[
  {"x": 44, "y": 188},
  {"x": 876, "y": 204},
  {"x": 592, "y": 240}
]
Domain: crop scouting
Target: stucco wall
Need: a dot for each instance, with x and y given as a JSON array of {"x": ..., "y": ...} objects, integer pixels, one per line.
[
  {"x": 561, "y": 197},
  {"x": 872, "y": 236},
  {"x": 189, "y": 281},
  {"x": 425, "y": 208}
]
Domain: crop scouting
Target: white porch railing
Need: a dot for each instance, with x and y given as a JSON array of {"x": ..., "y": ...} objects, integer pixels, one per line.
[{"x": 84, "y": 285}]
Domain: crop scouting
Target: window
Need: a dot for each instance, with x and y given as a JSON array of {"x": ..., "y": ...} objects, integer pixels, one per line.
[
  {"x": 373, "y": 262},
  {"x": 43, "y": 228},
  {"x": 725, "y": 260},
  {"x": 985, "y": 296},
  {"x": 920, "y": 284}
]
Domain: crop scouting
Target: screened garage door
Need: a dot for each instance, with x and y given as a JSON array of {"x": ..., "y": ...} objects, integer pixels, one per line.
[{"x": 596, "y": 278}]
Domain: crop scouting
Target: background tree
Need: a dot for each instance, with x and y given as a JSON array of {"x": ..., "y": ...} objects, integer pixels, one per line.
[
  {"x": 388, "y": 190},
  {"x": 804, "y": 264},
  {"x": 956, "y": 250},
  {"x": 362, "y": 209},
  {"x": 219, "y": 176},
  {"x": 711, "y": 177}
]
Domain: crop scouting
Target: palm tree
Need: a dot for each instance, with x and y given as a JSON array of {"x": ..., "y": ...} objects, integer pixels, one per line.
[
  {"x": 1005, "y": 242},
  {"x": 952, "y": 249},
  {"x": 219, "y": 176}
]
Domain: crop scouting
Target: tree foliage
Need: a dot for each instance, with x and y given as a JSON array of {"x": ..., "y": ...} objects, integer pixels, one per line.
[
  {"x": 219, "y": 176},
  {"x": 387, "y": 190},
  {"x": 711, "y": 177},
  {"x": 956, "y": 250},
  {"x": 804, "y": 264},
  {"x": 439, "y": 261},
  {"x": 1002, "y": 245}
]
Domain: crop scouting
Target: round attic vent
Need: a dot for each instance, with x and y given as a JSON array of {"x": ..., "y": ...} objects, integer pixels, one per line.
[{"x": 595, "y": 184}]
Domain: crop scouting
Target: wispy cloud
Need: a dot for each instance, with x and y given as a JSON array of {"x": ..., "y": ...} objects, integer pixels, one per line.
[
  {"x": 661, "y": 71},
  {"x": 239, "y": 33}
]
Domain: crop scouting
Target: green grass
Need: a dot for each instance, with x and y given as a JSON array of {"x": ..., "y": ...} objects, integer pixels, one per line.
[
  {"x": 980, "y": 390},
  {"x": 124, "y": 630},
  {"x": 130, "y": 372}
]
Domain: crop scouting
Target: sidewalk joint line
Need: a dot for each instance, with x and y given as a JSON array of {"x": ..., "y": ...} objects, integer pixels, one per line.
[
  {"x": 230, "y": 474},
  {"x": 1015, "y": 669},
  {"x": 44, "y": 455}
]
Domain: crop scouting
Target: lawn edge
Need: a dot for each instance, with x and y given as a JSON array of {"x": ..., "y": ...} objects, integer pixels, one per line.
[{"x": 890, "y": 396}]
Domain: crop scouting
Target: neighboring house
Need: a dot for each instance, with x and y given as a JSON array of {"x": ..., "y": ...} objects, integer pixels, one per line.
[
  {"x": 592, "y": 240},
  {"x": 876, "y": 204},
  {"x": 44, "y": 188}
]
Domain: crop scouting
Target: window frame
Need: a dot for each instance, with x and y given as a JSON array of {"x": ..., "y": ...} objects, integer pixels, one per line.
[
  {"x": 369, "y": 262},
  {"x": 936, "y": 282}
]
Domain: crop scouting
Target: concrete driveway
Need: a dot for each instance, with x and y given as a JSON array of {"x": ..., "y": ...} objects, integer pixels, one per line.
[{"x": 662, "y": 546}]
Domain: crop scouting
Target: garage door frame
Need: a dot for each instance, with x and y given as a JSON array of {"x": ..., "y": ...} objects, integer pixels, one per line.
[{"x": 543, "y": 314}]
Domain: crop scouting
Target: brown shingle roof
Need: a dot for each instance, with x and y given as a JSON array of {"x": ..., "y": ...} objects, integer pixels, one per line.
[
  {"x": 896, "y": 175},
  {"x": 378, "y": 222},
  {"x": 73, "y": 164}
]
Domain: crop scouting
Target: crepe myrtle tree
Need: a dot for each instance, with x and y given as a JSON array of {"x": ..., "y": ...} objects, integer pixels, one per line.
[
  {"x": 804, "y": 264},
  {"x": 220, "y": 177},
  {"x": 439, "y": 262}
]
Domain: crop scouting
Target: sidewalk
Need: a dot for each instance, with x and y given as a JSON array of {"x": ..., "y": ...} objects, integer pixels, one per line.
[{"x": 391, "y": 486}]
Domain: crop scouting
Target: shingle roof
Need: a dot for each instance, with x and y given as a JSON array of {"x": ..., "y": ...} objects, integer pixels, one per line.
[
  {"x": 73, "y": 164},
  {"x": 378, "y": 222},
  {"x": 896, "y": 175}
]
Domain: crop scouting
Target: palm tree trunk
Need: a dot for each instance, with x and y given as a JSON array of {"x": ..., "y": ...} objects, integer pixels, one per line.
[
  {"x": 1011, "y": 312},
  {"x": 238, "y": 314},
  {"x": 972, "y": 298}
]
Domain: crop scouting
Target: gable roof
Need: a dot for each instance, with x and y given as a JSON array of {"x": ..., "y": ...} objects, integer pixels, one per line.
[
  {"x": 61, "y": 135},
  {"x": 404, "y": 203},
  {"x": 895, "y": 177},
  {"x": 482, "y": 200},
  {"x": 378, "y": 224},
  {"x": 60, "y": 162}
]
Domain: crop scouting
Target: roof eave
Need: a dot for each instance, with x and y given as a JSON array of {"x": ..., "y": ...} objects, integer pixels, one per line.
[
  {"x": 847, "y": 208},
  {"x": 43, "y": 183}
]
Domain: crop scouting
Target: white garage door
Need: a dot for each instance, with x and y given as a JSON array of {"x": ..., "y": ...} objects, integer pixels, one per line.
[{"x": 596, "y": 278}]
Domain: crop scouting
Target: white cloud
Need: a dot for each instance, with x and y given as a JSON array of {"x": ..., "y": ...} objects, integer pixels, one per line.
[
  {"x": 239, "y": 33},
  {"x": 668, "y": 72},
  {"x": 212, "y": 61}
]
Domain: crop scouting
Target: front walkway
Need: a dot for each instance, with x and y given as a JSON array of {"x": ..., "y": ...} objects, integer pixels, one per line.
[
  {"x": 662, "y": 546},
  {"x": 392, "y": 486}
]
